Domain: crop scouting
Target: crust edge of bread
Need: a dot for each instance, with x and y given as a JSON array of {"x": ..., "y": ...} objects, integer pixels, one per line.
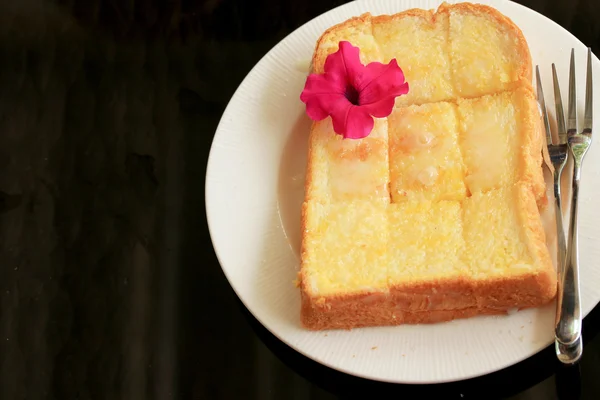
[
  {"x": 429, "y": 302},
  {"x": 525, "y": 72}
]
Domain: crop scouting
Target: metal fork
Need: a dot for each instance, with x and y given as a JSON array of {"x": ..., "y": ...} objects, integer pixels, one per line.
[
  {"x": 568, "y": 326},
  {"x": 568, "y": 342},
  {"x": 559, "y": 153}
]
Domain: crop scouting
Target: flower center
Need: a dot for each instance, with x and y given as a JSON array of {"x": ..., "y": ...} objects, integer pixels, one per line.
[{"x": 352, "y": 95}]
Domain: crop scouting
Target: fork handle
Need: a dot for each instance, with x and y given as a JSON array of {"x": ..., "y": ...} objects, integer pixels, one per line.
[
  {"x": 560, "y": 230},
  {"x": 568, "y": 322}
]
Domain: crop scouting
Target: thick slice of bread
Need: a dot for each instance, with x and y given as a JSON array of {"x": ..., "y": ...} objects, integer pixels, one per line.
[{"x": 435, "y": 215}]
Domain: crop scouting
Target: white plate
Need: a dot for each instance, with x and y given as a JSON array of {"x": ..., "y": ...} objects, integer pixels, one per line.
[{"x": 254, "y": 189}]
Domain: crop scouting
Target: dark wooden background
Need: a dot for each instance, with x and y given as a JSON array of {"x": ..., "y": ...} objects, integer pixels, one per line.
[{"x": 109, "y": 286}]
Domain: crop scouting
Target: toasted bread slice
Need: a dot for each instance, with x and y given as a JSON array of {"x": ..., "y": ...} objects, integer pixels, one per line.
[{"x": 435, "y": 215}]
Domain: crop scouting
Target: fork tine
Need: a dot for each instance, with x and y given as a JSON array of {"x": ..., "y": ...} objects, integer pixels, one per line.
[
  {"x": 587, "y": 116},
  {"x": 572, "y": 113},
  {"x": 560, "y": 114},
  {"x": 542, "y": 104}
]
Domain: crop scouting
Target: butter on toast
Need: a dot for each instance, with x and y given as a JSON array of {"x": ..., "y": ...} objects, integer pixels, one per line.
[
  {"x": 501, "y": 141},
  {"x": 435, "y": 215}
]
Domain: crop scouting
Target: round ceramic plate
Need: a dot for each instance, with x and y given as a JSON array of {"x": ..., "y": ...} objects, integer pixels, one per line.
[{"x": 254, "y": 189}]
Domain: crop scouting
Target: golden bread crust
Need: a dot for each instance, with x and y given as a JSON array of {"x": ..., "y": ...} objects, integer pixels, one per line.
[
  {"x": 534, "y": 144},
  {"x": 430, "y": 303},
  {"x": 335, "y": 34}
]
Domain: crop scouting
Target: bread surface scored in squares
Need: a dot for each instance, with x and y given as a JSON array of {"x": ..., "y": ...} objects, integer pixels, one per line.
[
  {"x": 435, "y": 215},
  {"x": 501, "y": 141},
  {"x": 425, "y": 159},
  {"x": 505, "y": 242},
  {"x": 418, "y": 40},
  {"x": 347, "y": 170},
  {"x": 351, "y": 239},
  {"x": 358, "y": 31},
  {"x": 488, "y": 52},
  {"x": 425, "y": 241}
]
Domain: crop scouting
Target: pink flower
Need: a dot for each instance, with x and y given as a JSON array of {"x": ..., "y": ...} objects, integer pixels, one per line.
[{"x": 352, "y": 93}]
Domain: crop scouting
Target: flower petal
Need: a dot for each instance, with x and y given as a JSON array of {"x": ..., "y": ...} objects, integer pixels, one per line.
[
  {"x": 319, "y": 93},
  {"x": 381, "y": 108},
  {"x": 359, "y": 123},
  {"x": 380, "y": 81},
  {"x": 377, "y": 85},
  {"x": 345, "y": 62},
  {"x": 339, "y": 115},
  {"x": 352, "y": 122},
  {"x": 320, "y": 84},
  {"x": 318, "y": 107}
]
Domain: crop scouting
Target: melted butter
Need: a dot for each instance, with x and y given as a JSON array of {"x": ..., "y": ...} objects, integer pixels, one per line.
[
  {"x": 428, "y": 176},
  {"x": 303, "y": 65},
  {"x": 292, "y": 169},
  {"x": 488, "y": 148},
  {"x": 417, "y": 141},
  {"x": 425, "y": 139},
  {"x": 358, "y": 169},
  {"x": 354, "y": 178}
]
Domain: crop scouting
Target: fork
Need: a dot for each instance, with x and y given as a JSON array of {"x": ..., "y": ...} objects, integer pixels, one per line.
[
  {"x": 559, "y": 153},
  {"x": 568, "y": 341},
  {"x": 568, "y": 327}
]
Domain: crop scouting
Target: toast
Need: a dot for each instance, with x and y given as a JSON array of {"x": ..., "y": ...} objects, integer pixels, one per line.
[{"x": 436, "y": 214}]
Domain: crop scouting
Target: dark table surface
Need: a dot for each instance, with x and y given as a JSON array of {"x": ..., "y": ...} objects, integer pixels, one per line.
[{"x": 109, "y": 285}]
